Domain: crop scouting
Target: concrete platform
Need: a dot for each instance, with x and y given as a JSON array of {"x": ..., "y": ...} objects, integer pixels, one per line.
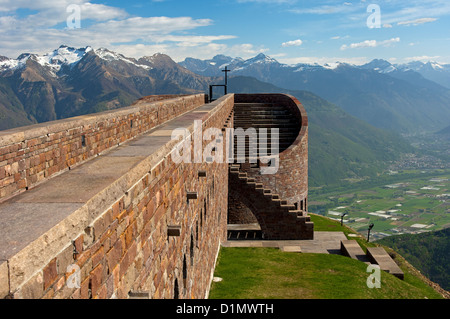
[
  {"x": 291, "y": 249},
  {"x": 323, "y": 243},
  {"x": 351, "y": 248},
  {"x": 379, "y": 256}
]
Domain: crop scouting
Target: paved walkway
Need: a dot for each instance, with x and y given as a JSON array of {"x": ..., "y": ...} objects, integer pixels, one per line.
[
  {"x": 28, "y": 215},
  {"x": 324, "y": 242}
]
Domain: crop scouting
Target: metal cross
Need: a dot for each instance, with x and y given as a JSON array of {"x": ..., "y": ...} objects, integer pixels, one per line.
[{"x": 226, "y": 75}]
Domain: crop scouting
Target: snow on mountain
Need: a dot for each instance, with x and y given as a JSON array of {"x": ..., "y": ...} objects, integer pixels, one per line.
[
  {"x": 109, "y": 56},
  {"x": 436, "y": 66},
  {"x": 332, "y": 66},
  {"x": 429, "y": 66},
  {"x": 379, "y": 65},
  {"x": 384, "y": 66},
  {"x": 63, "y": 57},
  {"x": 301, "y": 67},
  {"x": 53, "y": 61},
  {"x": 7, "y": 64},
  {"x": 260, "y": 59},
  {"x": 434, "y": 71}
]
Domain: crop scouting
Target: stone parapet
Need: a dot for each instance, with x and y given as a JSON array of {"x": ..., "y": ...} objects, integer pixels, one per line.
[
  {"x": 110, "y": 223},
  {"x": 32, "y": 154}
]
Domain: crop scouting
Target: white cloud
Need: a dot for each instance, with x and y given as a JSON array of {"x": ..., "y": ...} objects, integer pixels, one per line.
[
  {"x": 423, "y": 58},
  {"x": 293, "y": 43},
  {"x": 327, "y": 9},
  {"x": 370, "y": 44},
  {"x": 387, "y": 25},
  {"x": 338, "y": 37},
  {"x": 44, "y": 30},
  {"x": 412, "y": 12},
  {"x": 245, "y": 50},
  {"x": 203, "y": 51},
  {"x": 325, "y": 60},
  {"x": 417, "y": 21}
]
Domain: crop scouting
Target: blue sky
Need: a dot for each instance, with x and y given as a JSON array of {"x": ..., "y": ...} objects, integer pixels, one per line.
[{"x": 291, "y": 31}]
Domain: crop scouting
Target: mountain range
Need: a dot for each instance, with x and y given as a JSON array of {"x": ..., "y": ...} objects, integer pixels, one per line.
[
  {"x": 408, "y": 98},
  {"x": 68, "y": 82},
  {"x": 341, "y": 147}
]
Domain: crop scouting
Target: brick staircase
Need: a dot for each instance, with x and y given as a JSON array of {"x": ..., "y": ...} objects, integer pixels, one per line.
[
  {"x": 278, "y": 219},
  {"x": 264, "y": 115}
]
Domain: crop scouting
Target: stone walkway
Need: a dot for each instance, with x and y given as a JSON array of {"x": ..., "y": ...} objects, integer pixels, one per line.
[
  {"x": 324, "y": 242},
  {"x": 28, "y": 215}
]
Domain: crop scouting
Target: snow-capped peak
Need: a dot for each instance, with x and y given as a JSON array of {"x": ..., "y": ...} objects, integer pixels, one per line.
[
  {"x": 332, "y": 65},
  {"x": 435, "y": 65},
  {"x": 108, "y": 55},
  {"x": 64, "y": 55},
  {"x": 54, "y": 60},
  {"x": 379, "y": 65},
  {"x": 260, "y": 58}
]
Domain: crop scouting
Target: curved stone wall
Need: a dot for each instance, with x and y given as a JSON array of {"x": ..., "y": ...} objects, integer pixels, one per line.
[{"x": 291, "y": 179}]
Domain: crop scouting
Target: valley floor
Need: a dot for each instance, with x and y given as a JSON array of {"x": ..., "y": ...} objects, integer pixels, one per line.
[{"x": 412, "y": 205}]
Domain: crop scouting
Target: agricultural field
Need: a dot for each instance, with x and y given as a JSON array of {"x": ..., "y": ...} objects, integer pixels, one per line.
[{"x": 412, "y": 206}]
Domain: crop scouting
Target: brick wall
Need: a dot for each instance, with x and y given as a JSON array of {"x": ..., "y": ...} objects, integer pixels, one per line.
[
  {"x": 291, "y": 179},
  {"x": 119, "y": 240},
  {"x": 29, "y": 155}
]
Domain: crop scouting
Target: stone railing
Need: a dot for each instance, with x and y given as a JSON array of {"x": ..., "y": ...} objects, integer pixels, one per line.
[{"x": 31, "y": 154}]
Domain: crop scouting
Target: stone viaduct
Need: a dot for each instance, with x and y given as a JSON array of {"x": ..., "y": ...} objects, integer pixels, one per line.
[{"x": 96, "y": 207}]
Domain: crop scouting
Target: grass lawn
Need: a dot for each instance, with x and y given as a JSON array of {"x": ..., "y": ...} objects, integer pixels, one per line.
[{"x": 269, "y": 273}]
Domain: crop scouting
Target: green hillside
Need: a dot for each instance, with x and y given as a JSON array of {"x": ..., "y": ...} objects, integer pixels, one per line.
[
  {"x": 254, "y": 273},
  {"x": 341, "y": 147},
  {"x": 428, "y": 252},
  {"x": 12, "y": 112}
]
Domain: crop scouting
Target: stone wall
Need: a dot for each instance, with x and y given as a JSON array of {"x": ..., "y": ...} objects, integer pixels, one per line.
[
  {"x": 31, "y": 154},
  {"x": 238, "y": 212},
  {"x": 291, "y": 179},
  {"x": 158, "y": 228},
  {"x": 141, "y": 234}
]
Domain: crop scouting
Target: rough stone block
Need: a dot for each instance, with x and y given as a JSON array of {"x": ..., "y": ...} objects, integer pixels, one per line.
[
  {"x": 32, "y": 289},
  {"x": 4, "y": 279}
]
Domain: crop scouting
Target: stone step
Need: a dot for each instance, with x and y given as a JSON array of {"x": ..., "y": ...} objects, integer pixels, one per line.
[
  {"x": 298, "y": 212},
  {"x": 281, "y": 137},
  {"x": 351, "y": 248},
  {"x": 250, "y": 105},
  {"x": 379, "y": 256},
  {"x": 244, "y": 235},
  {"x": 261, "y": 147},
  {"x": 292, "y": 125},
  {"x": 264, "y": 117},
  {"x": 287, "y": 206}
]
